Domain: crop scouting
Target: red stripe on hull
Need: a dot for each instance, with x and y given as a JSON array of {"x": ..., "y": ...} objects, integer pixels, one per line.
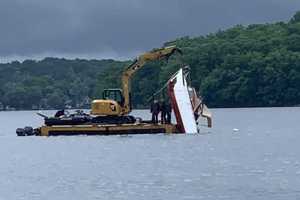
[{"x": 180, "y": 126}]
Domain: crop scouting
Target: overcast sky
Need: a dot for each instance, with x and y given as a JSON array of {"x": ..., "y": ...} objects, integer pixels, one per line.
[{"x": 120, "y": 28}]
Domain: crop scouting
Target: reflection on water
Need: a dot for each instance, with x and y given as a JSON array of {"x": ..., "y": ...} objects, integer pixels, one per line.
[{"x": 259, "y": 160}]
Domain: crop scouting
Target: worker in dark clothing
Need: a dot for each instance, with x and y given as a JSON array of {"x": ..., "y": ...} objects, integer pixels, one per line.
[
  {"x": 163, "y": 112},
  {"x": 155, "y": 111},
  {"x": 59, "y": 113},
  {"x": 168, "y": 113}
]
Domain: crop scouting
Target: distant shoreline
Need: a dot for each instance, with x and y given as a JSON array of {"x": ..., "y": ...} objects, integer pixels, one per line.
[{"x": 297, "y": 106}]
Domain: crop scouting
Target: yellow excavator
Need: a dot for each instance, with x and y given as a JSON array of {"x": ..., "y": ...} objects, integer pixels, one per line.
[{"x": 116, "y": 103}]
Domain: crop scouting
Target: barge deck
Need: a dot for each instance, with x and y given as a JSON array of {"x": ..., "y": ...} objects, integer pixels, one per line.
[{"x": 113, "y": 129}]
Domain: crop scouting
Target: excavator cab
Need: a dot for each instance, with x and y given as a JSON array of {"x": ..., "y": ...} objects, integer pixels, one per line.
[
  {"x": 114, "y": 94},
  {"x": 110, "y": 105}
]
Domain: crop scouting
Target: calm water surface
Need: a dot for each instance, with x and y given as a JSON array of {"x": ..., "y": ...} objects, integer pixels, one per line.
[{"x": 249, "y": 154}]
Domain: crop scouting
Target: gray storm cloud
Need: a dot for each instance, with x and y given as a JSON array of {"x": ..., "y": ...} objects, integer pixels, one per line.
[{"x": 121, "y": 28}]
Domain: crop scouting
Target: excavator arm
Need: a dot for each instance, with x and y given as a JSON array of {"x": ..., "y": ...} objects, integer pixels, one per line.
[{"x": 156, "y": 54}]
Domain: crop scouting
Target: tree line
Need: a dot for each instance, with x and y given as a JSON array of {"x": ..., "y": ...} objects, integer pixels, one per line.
[{"x": 244, "y": 66}]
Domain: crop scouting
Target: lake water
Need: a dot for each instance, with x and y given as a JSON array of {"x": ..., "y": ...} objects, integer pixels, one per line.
[{"x": 249, "y": 154}]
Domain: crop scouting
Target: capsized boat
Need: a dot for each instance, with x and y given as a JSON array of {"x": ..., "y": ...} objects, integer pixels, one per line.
[{"x": 188, "y": 106}]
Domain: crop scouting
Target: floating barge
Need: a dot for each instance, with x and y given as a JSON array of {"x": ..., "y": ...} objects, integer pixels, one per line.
[
  {"x": 187, "y": 107},
  {"x": 113, "y": 129}
]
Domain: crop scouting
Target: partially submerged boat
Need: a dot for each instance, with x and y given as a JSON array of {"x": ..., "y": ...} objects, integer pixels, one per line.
[{"x": 187, "y": 106}]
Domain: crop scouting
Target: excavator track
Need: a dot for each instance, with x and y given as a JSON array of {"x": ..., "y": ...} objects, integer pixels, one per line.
[
  {"x": 114, "y": 120},
  {"x": 82, "y": 120}
]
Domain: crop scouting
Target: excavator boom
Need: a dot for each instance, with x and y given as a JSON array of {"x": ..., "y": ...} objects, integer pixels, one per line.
[
  {"x": 156, "y": 54},
  {"x": 117, "y": 102}
]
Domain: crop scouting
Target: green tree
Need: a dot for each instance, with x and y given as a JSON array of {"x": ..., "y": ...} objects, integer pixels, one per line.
[{"x": 296, "y": 18}]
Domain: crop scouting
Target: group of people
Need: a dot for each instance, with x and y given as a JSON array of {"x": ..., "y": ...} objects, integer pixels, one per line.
[{"x": 161, "y": 107}]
